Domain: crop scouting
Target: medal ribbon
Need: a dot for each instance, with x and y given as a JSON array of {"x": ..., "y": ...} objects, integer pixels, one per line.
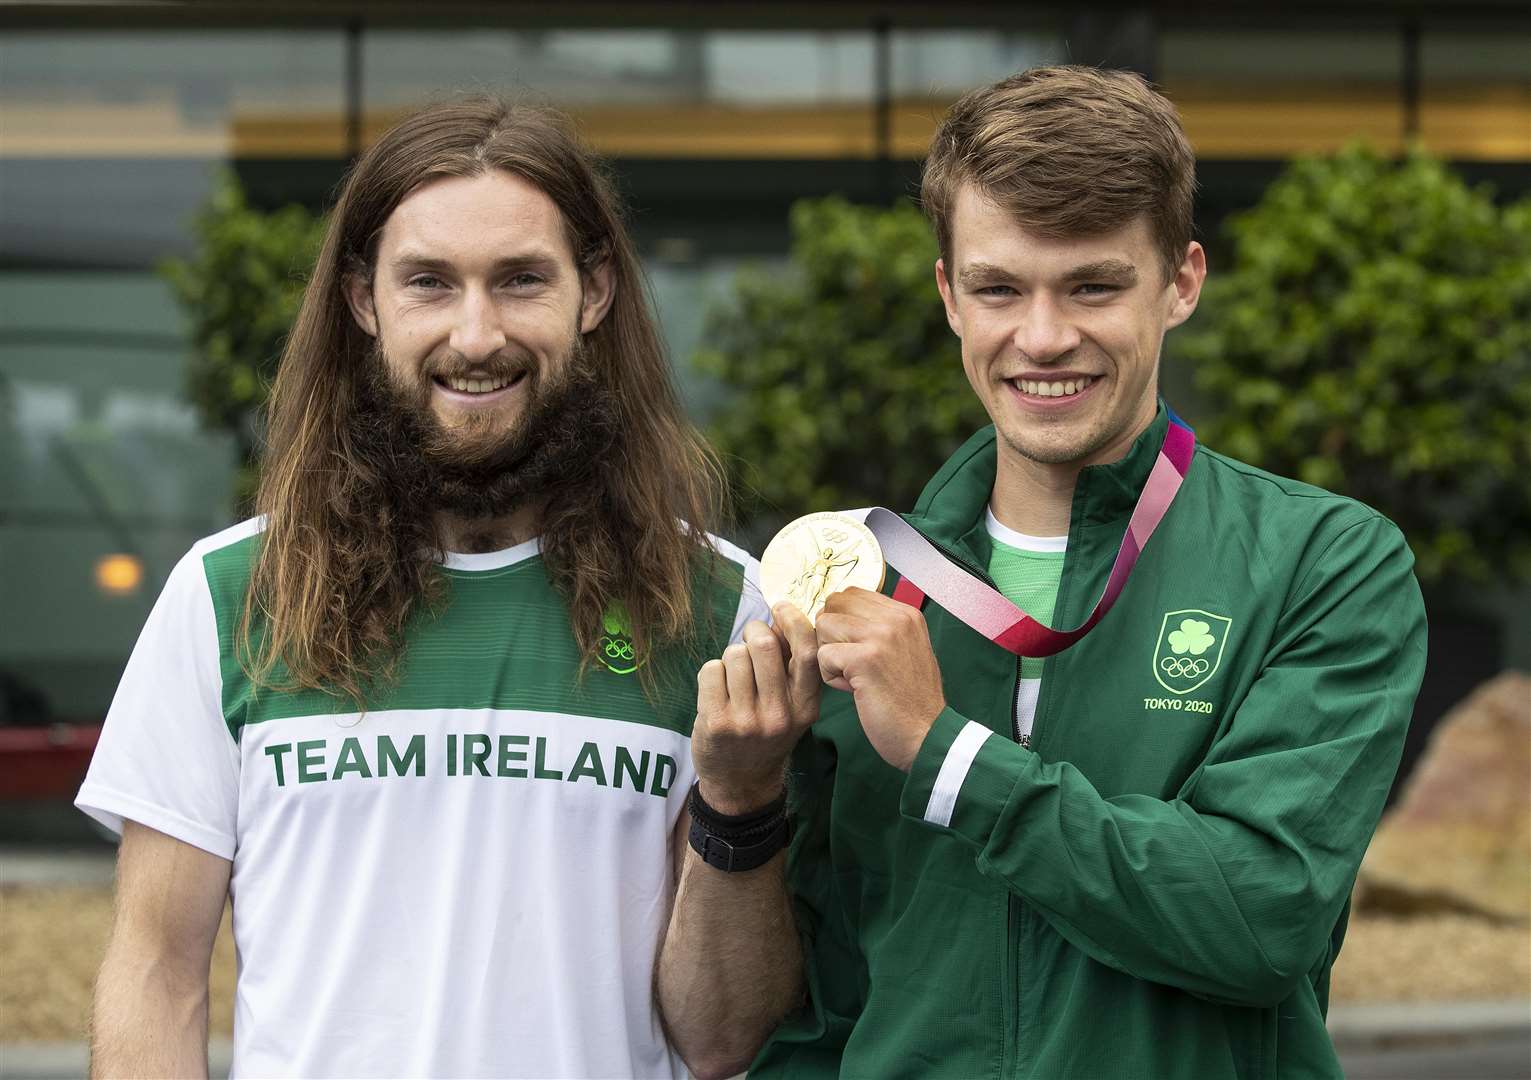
[{"x": 925, "y": 571}]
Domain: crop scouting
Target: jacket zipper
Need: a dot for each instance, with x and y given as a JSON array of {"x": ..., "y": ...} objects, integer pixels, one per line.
[
  {"x": 958, "y": 559},
  {"x": 1010, "y": 1047},
  {"x": 1013, "y": 911},
  {"x": 1022, "y": 737},
  {"x": 1011, "y": 1056}
]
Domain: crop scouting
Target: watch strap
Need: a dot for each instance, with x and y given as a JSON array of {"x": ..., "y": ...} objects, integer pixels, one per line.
[
  {"x": 734, "y": 856},
  {"x": 737, "y": 842}
]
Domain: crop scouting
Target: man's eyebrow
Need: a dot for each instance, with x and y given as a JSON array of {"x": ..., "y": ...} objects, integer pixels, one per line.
[
  {"x": 1116, "y": 271},
  {"x": 421, "y": 261},
  {"x": 980, "y": 272}
]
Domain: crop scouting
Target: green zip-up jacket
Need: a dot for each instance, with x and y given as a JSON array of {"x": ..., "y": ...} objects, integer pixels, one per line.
[{"x": 1158, "y": 886}]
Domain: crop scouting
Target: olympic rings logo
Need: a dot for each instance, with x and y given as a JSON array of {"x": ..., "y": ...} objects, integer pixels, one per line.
[
  {"x": 617, "y": 648},
  {"x": 835, "y": 536},
  {"x": 1183, "y": 667}
]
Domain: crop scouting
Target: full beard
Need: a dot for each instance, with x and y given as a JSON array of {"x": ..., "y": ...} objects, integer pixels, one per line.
[{"x": 567, "y": 428}]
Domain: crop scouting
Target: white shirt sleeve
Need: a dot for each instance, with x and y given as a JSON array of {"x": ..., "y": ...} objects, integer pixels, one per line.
[
  {"x": 752, "y": 602},
  {"x": 166, "y": 758}
]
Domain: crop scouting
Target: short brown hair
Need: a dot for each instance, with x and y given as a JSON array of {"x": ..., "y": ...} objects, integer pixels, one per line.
[{"x": 1070, "y": 151}]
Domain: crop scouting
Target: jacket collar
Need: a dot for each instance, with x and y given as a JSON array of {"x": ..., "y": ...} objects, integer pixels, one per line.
[{"x": 951, "y": 508}]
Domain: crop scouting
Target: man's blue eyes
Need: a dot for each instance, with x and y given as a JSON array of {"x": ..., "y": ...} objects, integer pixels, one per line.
[
  {"x": 430, "y": 281},
  {"x": 1090, "y": 289}
]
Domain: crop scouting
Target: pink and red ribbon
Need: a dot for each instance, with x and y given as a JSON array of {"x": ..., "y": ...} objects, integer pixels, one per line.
[{"x": 924, "y": 571}]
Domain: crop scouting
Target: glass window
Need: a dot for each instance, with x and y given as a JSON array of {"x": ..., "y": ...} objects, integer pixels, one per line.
[
  {"x": 1269, "y": 94},
  {"x": 765, "y": 69},
  {"x": 120, "y": 213},
  {"x": 686, "y": 293},
  {"x": 106, "y": 479},
  {"x": 930, "y": 69},
  {"x": 195, "y": 93},
  {"x": 402, "y": 69},
  {"x": 1475, "y": 94},
  {"x": 107, "y": 138},
  {"x": 108, "y": 142},
  {"x": 648, "y": 93}
]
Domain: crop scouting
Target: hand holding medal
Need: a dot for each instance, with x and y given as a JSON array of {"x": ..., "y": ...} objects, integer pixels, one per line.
[
  {"x": 757, "y": 699},
  {"x": 817, "y": 556},
  {"x": 830, "y": 567},
  {"x": 869, "y": 644}
]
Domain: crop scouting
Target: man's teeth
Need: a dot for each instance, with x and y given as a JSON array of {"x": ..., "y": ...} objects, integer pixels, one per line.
[
  {"x": 1060, "y": 388},
  {"x": 477, "y": 386}
]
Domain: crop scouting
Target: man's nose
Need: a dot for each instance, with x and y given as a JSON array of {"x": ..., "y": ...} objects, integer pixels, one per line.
[
  {"x": 1044, "y": 332},
  {"x": 477, "y": 333}
]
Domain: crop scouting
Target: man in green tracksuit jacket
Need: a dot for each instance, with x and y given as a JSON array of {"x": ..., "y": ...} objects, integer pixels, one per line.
[{"x": 1133, "y": 858}]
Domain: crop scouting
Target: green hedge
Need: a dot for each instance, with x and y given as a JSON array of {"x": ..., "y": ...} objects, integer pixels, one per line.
[
  {"x": 847, "y": 383},
  {"x": 1373, "y": 336},
  {"x": 240, "y": 290}
]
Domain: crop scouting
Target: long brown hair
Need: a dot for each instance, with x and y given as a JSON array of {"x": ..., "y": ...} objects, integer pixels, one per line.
[{"x": 341, "y": 570}]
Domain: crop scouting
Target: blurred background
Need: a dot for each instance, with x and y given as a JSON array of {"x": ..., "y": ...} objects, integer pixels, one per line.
[{"x": 1364, "y": 170}]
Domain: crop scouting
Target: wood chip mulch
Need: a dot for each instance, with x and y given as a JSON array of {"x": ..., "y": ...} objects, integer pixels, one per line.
[{"x": 51, "y": 941}]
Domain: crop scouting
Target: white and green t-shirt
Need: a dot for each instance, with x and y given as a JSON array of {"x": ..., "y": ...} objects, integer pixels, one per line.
[
  {"x": 1027, "y": 570},
  {"x": 471, "y": 878}
]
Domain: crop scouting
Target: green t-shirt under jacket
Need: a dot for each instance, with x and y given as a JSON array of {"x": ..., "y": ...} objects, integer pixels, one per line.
[{"x": 1158, "y": 887}]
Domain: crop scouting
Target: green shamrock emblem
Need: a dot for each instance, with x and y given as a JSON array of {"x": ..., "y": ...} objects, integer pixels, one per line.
[
  {"x": 1186, "y": 658},
  {"x": 1194, "y": 637}
]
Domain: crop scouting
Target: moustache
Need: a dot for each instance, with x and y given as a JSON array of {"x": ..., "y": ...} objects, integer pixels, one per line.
[{"x": 504, "y": 365}]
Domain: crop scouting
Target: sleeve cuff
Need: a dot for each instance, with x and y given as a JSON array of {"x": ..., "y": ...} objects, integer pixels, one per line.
[
  {"x": 110, "y": 808},
  {"x": 962, "y": 777}
]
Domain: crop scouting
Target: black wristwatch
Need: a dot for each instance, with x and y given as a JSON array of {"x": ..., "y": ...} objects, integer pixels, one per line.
[{"x": 737, "y": 842}]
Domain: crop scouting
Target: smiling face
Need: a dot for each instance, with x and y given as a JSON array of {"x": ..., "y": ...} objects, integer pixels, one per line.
[
  {"x": 1061, "y": 337},
  {"x": 477, "y": 304}
]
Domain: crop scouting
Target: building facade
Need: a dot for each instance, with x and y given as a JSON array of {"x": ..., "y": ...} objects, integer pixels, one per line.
[{"x": 116, "y": 118}]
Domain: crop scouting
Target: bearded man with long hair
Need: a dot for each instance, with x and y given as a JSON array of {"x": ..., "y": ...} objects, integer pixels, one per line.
[{"x": 428, "y": 718}]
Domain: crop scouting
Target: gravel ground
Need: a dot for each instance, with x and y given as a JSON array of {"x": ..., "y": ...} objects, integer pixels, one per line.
[
  {"x": 51, "y": 939},
  {"x": 1432, "y": 958}
]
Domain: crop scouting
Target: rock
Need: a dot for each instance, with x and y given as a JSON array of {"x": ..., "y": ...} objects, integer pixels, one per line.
[{"x": 1459, "y": 838}]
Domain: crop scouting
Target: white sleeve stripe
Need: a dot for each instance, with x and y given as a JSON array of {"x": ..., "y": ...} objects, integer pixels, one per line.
[{"x": 954, "y": 770}]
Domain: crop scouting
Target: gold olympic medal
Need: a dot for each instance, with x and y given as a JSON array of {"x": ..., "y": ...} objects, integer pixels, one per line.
[{"x": 816, "y": 556}]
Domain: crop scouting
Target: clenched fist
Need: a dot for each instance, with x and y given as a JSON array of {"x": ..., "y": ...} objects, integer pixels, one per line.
[
  {"x": 751, "y": 707},
  {"x": 879, "y": 650}
]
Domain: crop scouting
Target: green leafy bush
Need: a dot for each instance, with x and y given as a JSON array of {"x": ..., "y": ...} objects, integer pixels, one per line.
[
  {"x": 848, "y": 384},
  {"x": 241, "y": 289},
  {"x": 1373, "y": 336}
]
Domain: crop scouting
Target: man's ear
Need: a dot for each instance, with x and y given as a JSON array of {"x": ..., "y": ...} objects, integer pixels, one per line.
[
  {"x": 358, "y": 292},
  {"x": 599, "y": 291},
  {"x": 947, "y": 300},
  {"x": 1187, "y": 285}
]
